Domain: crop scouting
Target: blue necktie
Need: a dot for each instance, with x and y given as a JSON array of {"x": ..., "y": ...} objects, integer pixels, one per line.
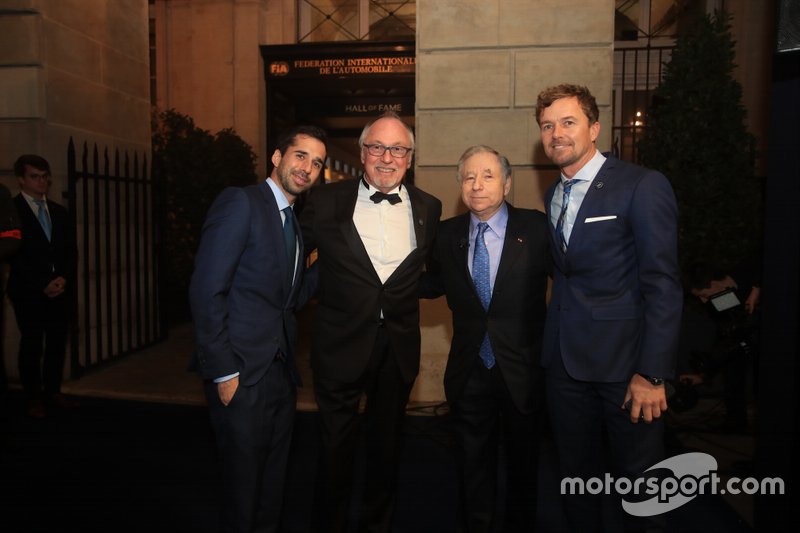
[
  {"x": 44, "y": 219},
  {"x": 290, "y": 237},
  {"x": 563, "y": 214},
  {"x": 480, "y": 276}
]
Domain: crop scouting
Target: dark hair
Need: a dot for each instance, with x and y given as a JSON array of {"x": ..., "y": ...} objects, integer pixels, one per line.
[
  {"x": 288, "y": 138},
  {"x": 33, "y": 160},
  {"x": 565, "y": 90}
]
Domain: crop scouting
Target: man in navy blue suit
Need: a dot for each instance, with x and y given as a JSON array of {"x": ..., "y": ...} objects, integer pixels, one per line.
[
  {"x": 612, "y": 326},
  {"x": 248, "y": 280}
]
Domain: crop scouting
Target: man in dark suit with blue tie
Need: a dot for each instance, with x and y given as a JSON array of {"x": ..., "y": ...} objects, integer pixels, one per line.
[
  {"x": 612, "y": 325},
  {"x": 42, "y": 273},
  {"x": 247, "y": 282},
  {"x": 492, "y": 264}
]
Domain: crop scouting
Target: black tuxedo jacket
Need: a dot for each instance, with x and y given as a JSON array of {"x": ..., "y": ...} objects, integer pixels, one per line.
[
  {"x": 516, "y": 314},
  {"x": 39, "y": 261},
  {"x": 351, "y": 295}
]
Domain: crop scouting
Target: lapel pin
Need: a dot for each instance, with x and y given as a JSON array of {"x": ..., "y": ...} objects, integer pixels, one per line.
[
  {"x": 519, "y": 240},
  {"x": 598, "y": 185},
  {"x": 420, "y": 222}
]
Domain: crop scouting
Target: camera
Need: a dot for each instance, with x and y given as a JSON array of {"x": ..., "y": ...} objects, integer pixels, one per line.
[{"x": 736, "y": 333}]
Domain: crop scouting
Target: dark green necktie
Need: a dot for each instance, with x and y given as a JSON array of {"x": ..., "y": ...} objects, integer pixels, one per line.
[{"x": 290, "y": 236}]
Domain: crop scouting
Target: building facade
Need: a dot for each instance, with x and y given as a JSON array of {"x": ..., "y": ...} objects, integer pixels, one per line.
[{"x": 94, "y": 70}]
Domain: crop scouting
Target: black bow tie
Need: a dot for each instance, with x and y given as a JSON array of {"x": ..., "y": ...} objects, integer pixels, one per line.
[{"x": 379, "y": 196}]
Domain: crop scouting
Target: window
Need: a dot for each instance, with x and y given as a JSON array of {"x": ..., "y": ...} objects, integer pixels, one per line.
[{"x": 356, "y": 20}]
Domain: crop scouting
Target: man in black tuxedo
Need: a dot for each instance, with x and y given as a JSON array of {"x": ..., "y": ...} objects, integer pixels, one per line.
[
  {"x": 491, "y": 263},
  {"x": 247, "y": 282},
  {"x": 373, "y": 236},
  {"x": 42, "y": 274}
]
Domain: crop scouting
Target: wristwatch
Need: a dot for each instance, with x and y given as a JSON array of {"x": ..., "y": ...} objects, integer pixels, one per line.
[{"x": 653, "y": 381}]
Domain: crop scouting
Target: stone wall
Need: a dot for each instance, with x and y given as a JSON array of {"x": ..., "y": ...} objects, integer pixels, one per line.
[{"x": 70, "y": 68}]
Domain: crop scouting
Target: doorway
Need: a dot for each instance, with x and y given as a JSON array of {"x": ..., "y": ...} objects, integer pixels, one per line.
[{"x": 339, "y": 87}]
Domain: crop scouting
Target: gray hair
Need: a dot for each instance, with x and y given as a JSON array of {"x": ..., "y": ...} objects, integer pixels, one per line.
[
  {"x": 505, "y": 166},
  {"x": 387, "y": 114}
]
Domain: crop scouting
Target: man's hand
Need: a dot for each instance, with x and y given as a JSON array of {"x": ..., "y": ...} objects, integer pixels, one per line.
[
  {"x": 752, "y": 300},
  {"x": 55, "y": 287},
  {"x": 227, "y": 389},
  {"x": 647, "y": 400}
]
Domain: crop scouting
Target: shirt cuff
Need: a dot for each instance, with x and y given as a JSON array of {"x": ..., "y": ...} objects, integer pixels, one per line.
[{"x": 229, "y": 377}]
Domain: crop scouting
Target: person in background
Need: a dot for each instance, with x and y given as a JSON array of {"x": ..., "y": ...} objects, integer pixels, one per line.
[
  {"x": 732, "y": 323},
  {"x": 10, "y": 242},
  {"x": 41, "y": 277}
]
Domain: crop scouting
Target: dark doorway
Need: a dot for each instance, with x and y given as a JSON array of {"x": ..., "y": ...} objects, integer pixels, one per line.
[{"x": 340, "y": 87}]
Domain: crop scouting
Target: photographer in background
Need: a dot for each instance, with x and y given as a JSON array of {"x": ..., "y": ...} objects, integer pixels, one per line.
[
  {"x": 10, "y": 242},
  {"x": 729, "y": 301}
]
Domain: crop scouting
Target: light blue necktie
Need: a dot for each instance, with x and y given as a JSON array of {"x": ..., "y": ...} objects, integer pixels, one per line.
[
  {"x": 44, "y": 218},
  {"x": 480, "y": 276},
  {"x": 290, "y": 237},
  {"x": 562, "y": 215}
]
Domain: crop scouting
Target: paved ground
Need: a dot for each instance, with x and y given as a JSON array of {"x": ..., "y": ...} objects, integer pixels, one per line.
[{"x": 140, "y": 446}]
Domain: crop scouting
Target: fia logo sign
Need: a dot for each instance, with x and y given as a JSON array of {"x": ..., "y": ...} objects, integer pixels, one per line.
[{"x": 278, "y": 68}]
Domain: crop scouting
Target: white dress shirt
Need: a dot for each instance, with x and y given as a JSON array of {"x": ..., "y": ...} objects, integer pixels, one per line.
[{"x": 386, "y": 230}]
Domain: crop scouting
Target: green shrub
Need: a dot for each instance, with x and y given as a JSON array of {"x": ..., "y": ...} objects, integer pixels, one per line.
[
  {"x": 194, "y": 166},
  {"x": 697, "y": 137}
]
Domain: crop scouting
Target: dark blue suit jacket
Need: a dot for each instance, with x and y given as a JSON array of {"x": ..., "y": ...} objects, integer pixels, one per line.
[
  {"x": 616, "y": 300},
  {"x": 242, "y": 304}
]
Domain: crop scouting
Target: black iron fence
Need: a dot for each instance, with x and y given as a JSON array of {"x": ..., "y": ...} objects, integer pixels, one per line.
[
  {"x": 637, "y": 73},
  {"x": 114, "y": 205}
]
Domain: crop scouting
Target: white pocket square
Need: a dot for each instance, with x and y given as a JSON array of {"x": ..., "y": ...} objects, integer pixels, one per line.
[{"x": 599, "y": 219}]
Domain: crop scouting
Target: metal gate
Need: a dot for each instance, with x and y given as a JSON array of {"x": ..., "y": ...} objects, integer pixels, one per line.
[
  {"x": 638, "y": 70},
  {"x": 114, "y": 205}
]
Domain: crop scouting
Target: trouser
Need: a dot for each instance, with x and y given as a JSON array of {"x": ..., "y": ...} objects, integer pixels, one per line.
[{"x": 387, "y": 396}]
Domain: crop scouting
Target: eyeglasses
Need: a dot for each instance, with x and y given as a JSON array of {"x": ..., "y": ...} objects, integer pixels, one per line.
[{"x": 378, "y": 150}]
